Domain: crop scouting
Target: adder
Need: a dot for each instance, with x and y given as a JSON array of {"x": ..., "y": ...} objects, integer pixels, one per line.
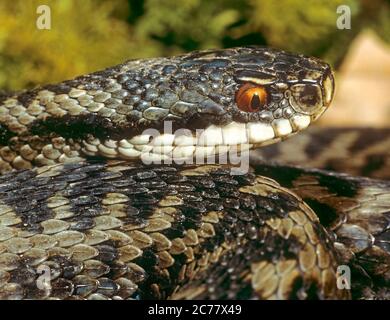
[{"x": 108, "y": 190}]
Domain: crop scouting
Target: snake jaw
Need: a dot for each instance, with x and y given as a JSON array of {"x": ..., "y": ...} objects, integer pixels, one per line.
[{"x": 184, "y": 145}]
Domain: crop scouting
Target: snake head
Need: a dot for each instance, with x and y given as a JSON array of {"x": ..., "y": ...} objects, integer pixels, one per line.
[
  {"x": 199, "y": 103},
  {"x": 250, "y": 96},
  {"x": 277, "y": 93}
]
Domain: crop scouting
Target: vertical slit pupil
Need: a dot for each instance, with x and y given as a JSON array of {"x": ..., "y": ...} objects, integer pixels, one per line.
[{"x": 255, "y": 102}]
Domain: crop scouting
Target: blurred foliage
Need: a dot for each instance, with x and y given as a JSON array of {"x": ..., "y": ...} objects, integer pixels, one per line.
[
  {"x": 296, "y": 25},
  {"x": 377, "y": 15},
  {"x": 83, "y": 37},
  {"x": 190, "y": 24},
  {"x": 89, "y": 35}
]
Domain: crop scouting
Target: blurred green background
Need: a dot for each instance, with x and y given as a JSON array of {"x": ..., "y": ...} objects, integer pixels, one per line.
[{"x": 89, "y": 35}]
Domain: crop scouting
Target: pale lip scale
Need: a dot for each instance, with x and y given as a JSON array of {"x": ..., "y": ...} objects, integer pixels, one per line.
[{"x": 214, "y": 140}]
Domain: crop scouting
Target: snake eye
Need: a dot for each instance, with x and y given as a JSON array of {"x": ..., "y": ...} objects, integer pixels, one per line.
[{"x": 251, "y": 98}]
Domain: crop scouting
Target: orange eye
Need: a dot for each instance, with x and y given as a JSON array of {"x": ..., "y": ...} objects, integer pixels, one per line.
[{"x": 251, "y": 98}]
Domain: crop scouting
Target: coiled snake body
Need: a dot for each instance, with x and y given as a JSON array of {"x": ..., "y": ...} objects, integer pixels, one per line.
[{"x": 108, "y": 203}]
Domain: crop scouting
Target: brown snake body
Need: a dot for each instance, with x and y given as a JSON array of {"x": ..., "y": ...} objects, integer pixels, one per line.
[{"x": 74, "y": 225}]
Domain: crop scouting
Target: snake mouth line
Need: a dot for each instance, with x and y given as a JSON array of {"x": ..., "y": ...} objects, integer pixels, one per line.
[{"x": 182, "y": 144}]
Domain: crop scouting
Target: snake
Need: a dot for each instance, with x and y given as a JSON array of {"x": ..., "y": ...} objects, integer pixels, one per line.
[{"x": 122, "y": 184}]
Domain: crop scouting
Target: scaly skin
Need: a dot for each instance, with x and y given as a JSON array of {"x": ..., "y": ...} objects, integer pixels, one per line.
[
  {"x": 105, "y": 114},
  {"x": 121, "y": 229},
  {"x": 113, "y": 231}
]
